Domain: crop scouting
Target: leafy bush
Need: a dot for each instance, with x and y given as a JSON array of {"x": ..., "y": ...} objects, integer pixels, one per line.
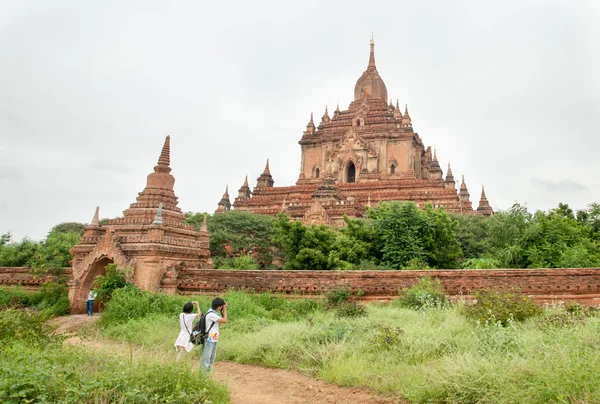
[
  {"x": 115, "y": 278},
  {"x": 244, "y": 261},
  {"x": 350, "y": 309},
  {"x": 24, "y": 325},
  {"x": 569, "y": 315},
  {"x": 502, "y": 306},
  {"x": 480, "y": 263},
  {"x": 425, "y": 294},
  {"x": 51, "y": 299},
  {"x": 337, "y": 296},
  {"x": 386, "y": 337}
]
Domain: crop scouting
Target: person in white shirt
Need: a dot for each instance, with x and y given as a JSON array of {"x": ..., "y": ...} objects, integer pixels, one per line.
[
  {"x": 89, "y": 303},
  {"x": 213, "y": 320},
  {"x": 183, "y": 344}
]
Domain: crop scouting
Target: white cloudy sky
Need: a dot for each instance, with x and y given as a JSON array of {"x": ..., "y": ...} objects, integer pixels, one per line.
[{"x": 508, "y": 91}]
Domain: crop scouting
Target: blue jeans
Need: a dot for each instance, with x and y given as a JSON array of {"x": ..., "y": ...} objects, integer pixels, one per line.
[
  {"x": 208, "y": 356},
  {"x": 89, "y": 307}
]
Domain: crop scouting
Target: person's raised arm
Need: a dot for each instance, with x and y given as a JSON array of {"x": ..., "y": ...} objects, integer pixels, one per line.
[
  {"x": 223, "y": 319},
  {"x": 199, "y": 312}
]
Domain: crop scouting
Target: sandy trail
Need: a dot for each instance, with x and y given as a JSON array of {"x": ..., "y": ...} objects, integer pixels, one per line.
[{"x": 247, "y": 384}]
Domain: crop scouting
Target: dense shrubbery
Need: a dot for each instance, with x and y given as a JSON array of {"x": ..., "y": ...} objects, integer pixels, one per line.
[
  {"x": 425, "y": 294},
  {"x": 114, "y": 278},
  {"x": 493, "y": 306},
  {"x": 51, "y": 299}
]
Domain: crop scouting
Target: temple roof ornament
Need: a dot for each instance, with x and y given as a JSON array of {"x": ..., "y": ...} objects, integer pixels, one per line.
[
  {"x": 397, "y": 113},
  {"x": 96, "y": 219},
  {"x": 158, "y": 219},
  {"x": 325, "y": 119},
  {"x": 225, "y": 203},
  {"x": 265, "y": 180},
  {"x": 370, "y": 84},
  {"x": 484, "y": 206},
  {"x": 310, "y": 127}
]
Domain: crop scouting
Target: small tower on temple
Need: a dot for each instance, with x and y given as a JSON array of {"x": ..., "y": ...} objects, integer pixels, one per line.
[
  {"x": 397, "y": 113},
  {"x": 244, "y": 192},
  {"x": 463, "y": 196},
  {"x": 450, "y": 183},
  {"x": 337, "y": 110},
  {"x": 325, "y": 119},
  {"x": 266, "y": 179},
  {"x": 310, "y": 127},
  {"x": 484, "y": 207},
  {"x": 406, "y": 121},
  {"x": 435, "y": 171},
  {"x": 224, "y": 203}
]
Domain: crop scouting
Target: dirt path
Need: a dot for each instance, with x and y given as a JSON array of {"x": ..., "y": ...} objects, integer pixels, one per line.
[{"x": 247, "y": 384}]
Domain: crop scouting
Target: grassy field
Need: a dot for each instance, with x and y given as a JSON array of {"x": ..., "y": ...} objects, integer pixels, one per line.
[
  {"x": 36, "y": 367},
  {"x": 433, "y": 354}
]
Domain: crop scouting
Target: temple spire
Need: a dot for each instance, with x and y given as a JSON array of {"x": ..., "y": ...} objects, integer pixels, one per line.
[
  {"x": 225, "y": 203},
  {"x": 484, "y": 207},
  {"x": 325, "y": 118},
  {"x": 265, "y": 180},
  {"x": 165, "y": 158},
  {"x": 397, "y": 113},
  {"x": 450, "y": 183},
  {"x": 246, "y": 180},
  {"x": 372, "y": 66},
  {"x": 406, "y": 121},
  {"x": 310, "y": 127},
  {"x": 96, "y": 218}
]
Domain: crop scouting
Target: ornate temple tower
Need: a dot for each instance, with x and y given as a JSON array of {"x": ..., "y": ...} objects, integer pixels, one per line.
[
  {"x": 368, "y": 153},
  {"x": 151, "y": 239}
]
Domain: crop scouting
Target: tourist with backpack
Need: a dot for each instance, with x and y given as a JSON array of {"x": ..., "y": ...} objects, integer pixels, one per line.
[
  {"x": 183, "y": 343},
  {"x": 211, "y": 321}
]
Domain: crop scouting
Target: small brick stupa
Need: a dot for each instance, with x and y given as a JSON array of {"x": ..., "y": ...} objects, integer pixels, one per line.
[
  {"x": 356, "y": 158},
  {"x": 150, "y": 239}
]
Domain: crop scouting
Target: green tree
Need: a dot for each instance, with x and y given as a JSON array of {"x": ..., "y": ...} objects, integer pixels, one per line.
[
  {"x": 403, "y": 227},
  {"x": 235, "y": 234},
  {"x": 473, "y": 235},
  {"x": 441, "y": 244}
]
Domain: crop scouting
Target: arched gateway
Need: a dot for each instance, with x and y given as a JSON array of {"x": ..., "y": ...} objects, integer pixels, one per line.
[{"x": 150, "y": 239}]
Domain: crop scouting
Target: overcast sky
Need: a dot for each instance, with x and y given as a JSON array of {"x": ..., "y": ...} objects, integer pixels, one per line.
[{"x": 507, "y": 91}]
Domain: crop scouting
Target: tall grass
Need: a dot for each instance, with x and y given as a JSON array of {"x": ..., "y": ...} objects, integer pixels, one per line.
[
  {"x": 36, "y": 367},
  {"x": 433, "y": 354}
]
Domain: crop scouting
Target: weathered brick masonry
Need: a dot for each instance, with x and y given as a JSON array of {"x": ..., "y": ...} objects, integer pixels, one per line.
[
  {"x": 18, "y": 276},
  {"x": 544, "y": 285}
]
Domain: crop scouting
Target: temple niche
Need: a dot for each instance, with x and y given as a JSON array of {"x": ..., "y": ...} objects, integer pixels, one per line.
[
  {"x": 151, "y": 239},
  {"x": 361, "y": 156}
]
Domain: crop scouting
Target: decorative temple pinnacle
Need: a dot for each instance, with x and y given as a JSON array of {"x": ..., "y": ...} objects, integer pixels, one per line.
[
  {"x": 434, "y": 154},
  {"x": 372, "y": 66},
  {"x": 397, "y": 113},
  {"x": 267, "y": 170},
  {"x": 203, "y": 226},
  {"x": 337, "y": 108},
  {"x": 245, "y": 181},
  {"x": 325, "y": 118},
  {"x": 483, "y": 193},
  {"x": 226, "y": 194},
  {"x": 164, "y": 160},
  {"x": 406, "y": 111},
  {"x": 158, "y": 218},
  {"x": 96, "y": 218},
  {"x": 484, "y": 207}
]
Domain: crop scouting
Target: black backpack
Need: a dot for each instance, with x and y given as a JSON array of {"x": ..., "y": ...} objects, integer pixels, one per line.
[{"x": 199, "y": 332}]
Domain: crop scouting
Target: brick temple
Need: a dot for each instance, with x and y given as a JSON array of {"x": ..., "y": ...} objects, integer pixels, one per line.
[
  {"x": 356, "y": 158},
  {"x": 151, "y": 239}
]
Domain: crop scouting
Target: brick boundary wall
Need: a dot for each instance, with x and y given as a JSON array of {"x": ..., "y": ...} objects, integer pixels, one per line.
[
  {"x": 20, "y": 276},
  {"x": 543, "y": 285}
]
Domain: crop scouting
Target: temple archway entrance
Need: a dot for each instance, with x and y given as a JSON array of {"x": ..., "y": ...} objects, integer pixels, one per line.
[
  {"x": 97, "y": 268},
  {"x": 350, "y": 172}
]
